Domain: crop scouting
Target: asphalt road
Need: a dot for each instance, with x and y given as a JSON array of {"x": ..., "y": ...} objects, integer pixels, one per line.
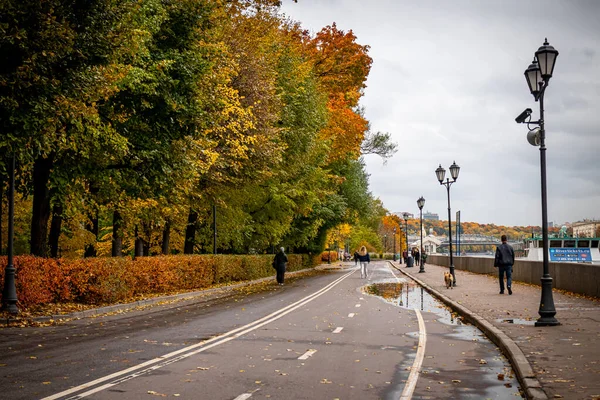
[{"x": 329, "y": 336}]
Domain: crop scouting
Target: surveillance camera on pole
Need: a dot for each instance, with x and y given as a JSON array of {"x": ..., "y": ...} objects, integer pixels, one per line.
[{"x": 523, "y": 116}]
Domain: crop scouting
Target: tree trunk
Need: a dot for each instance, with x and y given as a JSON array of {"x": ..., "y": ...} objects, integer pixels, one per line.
[
  {"x": 190, "y": 233},
  {"x": 92, "y": 226},
  {"x": 117, "y": 236},
  {"x": 166, "y": 237},
  {"x": 146, "y": 243},
  {"x": 40, "y": 207},
  {"x": 139, "y": 244},
  {"x": 1, "y": 214},
  {"x": 55, "y": 227}
]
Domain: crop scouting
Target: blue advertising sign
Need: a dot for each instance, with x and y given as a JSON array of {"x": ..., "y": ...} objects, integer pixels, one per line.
[{"x": 570, "y": 254}]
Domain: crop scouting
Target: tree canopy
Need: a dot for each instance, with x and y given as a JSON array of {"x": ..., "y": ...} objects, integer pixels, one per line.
[{"x": 133, "y": 122}]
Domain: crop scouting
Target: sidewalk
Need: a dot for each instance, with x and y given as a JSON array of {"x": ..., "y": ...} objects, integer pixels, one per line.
[{"x": 550, "y": 362}]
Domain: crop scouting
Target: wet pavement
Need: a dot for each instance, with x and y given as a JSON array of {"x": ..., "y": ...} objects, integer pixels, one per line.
[
  {"x": 551, "y": 362},
  {"x": 451, "y": 369}
]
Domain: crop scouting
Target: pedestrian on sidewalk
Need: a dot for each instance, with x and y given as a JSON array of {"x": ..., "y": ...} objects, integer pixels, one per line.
[
  {"x": 417, "y": 257},
  {"x": 356, "y": 256},
  {"x": 279, "y": 263},
  {"x": 424, "y": 258},
  {"x": 364, "y": 258},
  {"x": 504, "y": 261}
]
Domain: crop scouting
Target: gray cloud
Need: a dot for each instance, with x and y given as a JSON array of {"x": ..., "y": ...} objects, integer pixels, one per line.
[{"x": 447, "y": 82}]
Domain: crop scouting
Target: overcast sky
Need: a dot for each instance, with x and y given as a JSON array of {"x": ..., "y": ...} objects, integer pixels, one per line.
[{"x": 447, "y": 82}]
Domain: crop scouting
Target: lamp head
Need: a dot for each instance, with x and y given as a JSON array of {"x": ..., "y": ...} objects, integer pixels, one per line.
[
  {"x": 440, "y": 173},
  {"x": 421, "y": 202},
  {"x": 454, "y": 170},
  {"x": 533, "y": 76},
  {"x": 546, "y": 57},
  {"x": 405, "y": 215}
]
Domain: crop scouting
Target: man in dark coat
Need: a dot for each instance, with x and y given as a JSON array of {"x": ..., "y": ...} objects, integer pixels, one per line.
[
  {"x": 504, "y": 261},
  {"x": 279, "y": 263}
]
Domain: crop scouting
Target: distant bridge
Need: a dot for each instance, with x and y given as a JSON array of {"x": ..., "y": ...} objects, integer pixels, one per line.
[{"x": 477, "y": 240}]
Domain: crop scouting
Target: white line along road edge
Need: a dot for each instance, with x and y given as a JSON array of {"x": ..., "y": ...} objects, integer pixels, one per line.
[
  {"x": 185, "y": 352},
  {"x": 411, "y": 383}
]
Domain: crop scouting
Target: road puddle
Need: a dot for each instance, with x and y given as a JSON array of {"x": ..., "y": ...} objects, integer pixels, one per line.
[
  {"x": 409, "y": 295},
  {"x": 494, "y": 377}
]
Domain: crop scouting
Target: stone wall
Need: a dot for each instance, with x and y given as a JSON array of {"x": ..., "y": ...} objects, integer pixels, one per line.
[{"x": 575, "y": 277}]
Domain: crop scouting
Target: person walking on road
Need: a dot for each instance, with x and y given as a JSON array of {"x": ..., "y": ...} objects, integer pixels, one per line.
[
  {"x": 504, "y": 261},
  {"x": 364, "y": 258},
  {"x": 279, "y": 262}
]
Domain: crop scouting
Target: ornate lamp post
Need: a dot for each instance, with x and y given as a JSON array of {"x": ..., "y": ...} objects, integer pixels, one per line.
[
  {"x": 394, "y": 243},
  {"x": 538, "y": 75},
  {"x": 405, "y": 215},
  {"x": 421, "y": 203},
  {"x": 9, "y": 292},
  {"x": 441, "y": 173}
]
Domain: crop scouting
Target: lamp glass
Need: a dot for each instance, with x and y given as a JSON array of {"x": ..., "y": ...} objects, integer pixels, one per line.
[
  {"x": 440, "y": 172},
  {"x": 454, "y": 170},
  {"x": 421, "y": 202},
  {"x": 405, "y": 215},
  {"x": 546, "y": 56},
  {"x": 534, "y": 77}
]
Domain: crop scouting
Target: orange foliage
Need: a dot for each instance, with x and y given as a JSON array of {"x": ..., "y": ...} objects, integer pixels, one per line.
[
  {"x": 341, "y": 66},
  {"x": 345, "y": 128},
  {"x": 325, "y": 256},
  {"x": 109, "y": 280}
]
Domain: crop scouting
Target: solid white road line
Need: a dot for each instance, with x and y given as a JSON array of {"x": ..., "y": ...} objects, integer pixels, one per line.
[
  {"x": 309, "y": 353},
  {"x": 411, "y": 383},
  {"x": 338, "y": 329},
  {"x": 185, "y": 352}
]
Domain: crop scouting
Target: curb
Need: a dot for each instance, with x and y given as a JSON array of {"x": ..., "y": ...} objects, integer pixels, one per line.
[{"x": 523, "y": 371}]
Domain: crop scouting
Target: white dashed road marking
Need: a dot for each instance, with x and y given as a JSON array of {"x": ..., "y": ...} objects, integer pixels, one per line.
[
  {"x": 307, "y": 354},
  {"x": 338, "y": 329},
  {"x": 351, "y": 315}
]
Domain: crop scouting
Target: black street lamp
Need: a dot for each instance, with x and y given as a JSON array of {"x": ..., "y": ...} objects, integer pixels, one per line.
[
  {"x": 421, "y": 203},
  {"x": 405, "y": 215},
  {"x": 394, "y": 243},
  {"x": 9, "y": 292},
  {"x": 441, "y": 173},
  {"x": 538, "y": 75}
]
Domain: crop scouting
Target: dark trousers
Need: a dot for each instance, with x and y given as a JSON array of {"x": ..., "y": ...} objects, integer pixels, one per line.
[
  {"x": 280, "y": 273},
  {"x": 505, "y": 269}
]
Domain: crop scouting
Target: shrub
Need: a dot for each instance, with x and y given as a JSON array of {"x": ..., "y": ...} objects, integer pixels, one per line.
[{"x": 105, "y": 280}]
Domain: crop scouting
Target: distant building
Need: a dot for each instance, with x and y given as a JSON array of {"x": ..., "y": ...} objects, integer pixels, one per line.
[
  {"x": 586, "y": 228},
  {"x": 401, "y": 215},
  {"x": 430, "y": 215}
]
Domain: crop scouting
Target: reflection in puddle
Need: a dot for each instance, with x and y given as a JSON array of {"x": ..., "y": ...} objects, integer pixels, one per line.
[
  {"x": 410, "y": 295},
  {"x": 497, "y": 378}
]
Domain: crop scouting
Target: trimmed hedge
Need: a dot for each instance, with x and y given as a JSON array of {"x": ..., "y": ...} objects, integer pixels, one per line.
[{"x": 107, "y": 280}]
